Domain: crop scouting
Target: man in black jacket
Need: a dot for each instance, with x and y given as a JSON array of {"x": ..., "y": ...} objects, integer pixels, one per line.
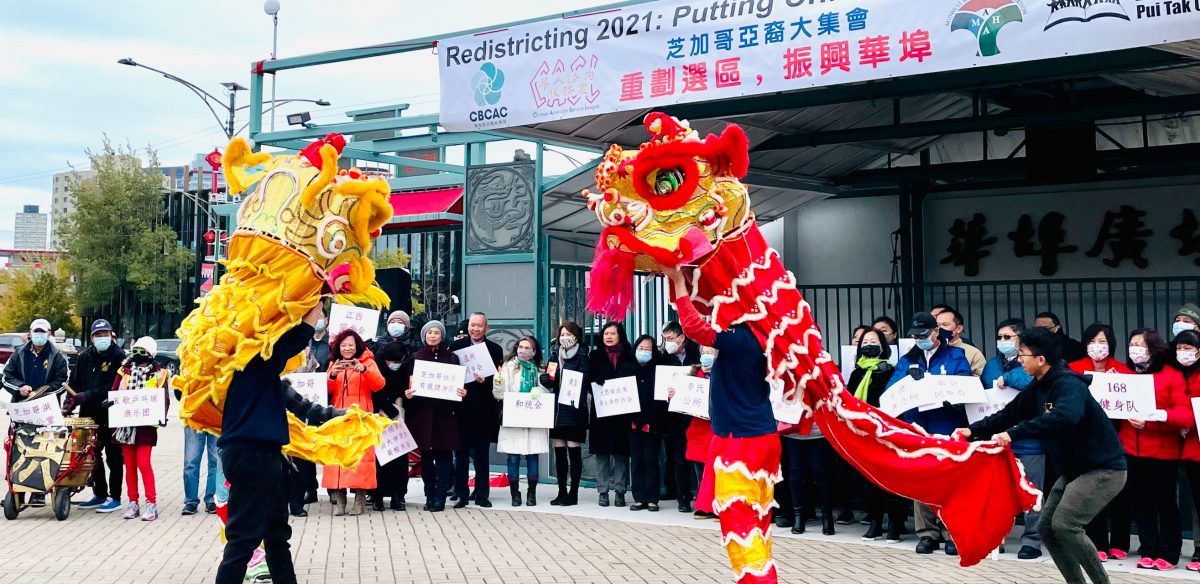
[
  {"x": 253, "y": 430},
  {"x": 479, "y": 426},
  {"x": 92, "y": 379},
  {"x": 36, "y": 364},
  {"x": 1079, "y": 439},
  {"x": 678, "y": 351}
]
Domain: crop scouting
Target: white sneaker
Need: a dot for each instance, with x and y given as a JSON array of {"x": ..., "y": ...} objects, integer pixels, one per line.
[
  {"x": 150, "y": 513},
  {"x": 131, "y": 511}
]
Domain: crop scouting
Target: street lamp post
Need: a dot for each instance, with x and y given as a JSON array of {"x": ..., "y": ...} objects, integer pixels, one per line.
[{"x": 271, "y": 7}]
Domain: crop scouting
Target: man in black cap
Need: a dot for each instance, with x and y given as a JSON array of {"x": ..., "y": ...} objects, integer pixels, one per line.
[{"x": 92, "y": 380}]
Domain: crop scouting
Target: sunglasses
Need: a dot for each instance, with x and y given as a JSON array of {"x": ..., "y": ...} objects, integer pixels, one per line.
[{"x": 141, "y": 352}]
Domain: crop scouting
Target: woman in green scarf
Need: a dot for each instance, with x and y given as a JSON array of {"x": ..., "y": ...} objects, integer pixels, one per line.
[
  {"x": 872, "y": 369},
  {"x": 519, "y": 374}
]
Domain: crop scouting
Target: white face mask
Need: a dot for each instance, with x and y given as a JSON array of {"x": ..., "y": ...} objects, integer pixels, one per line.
[
  {"x": 1139, "y": 355},
  {"x": 395, "y": 328},
  {"x": 393, "y": 366},
  {"x": 1098, "y": 351},
  {"x": 1186, "y": 358},
  {"x": 1179, "y": 327},
  {"x": 671, "y": 347}
]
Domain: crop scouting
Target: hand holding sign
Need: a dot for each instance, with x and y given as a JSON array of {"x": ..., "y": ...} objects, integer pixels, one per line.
[
  {"x": 363, "y": 321},
  {"x": 477, "y": 362},
  {"x": 438, "y": 380}
]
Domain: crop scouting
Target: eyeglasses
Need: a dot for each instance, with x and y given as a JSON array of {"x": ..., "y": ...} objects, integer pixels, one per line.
[
  {"x": 1023, "y": 355},
  {"x": 1006, "y": 337}
]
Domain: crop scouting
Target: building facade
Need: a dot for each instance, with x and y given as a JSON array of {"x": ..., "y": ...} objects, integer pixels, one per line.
[{"x": 30, "y": 230}]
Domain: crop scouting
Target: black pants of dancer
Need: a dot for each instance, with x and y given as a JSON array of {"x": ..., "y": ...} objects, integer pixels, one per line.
[
  {"x": 1155, "y": 509},
  {"x": 258, "y": 513},
  {"x": 108, "y": 453},
  {"x": 301, "y": 480},
  {"x": 644, "y": 467},
  {"x": 437, "y": 469},
  {"x": 475, "y": 452}
]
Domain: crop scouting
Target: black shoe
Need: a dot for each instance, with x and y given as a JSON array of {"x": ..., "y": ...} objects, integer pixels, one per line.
[
  {"x": 827, "y": 524},
  {"x": 562, "y": 496},
  {"x": 782, "y": 520},
  {"x": 685, "y": 507},
  {"x": 300, "y": 513},
  {"x": 377, "y": 504},
  {"x": 439, "y": 506},
  {"x": 874, "y": 532},
  {"x": 638, "y": 507},
  {"x": 531, "y": 495},
  {"x": 310, "y": 497},
  {"x": 652, "y": 507},
  {"x": 846, "y": 517},
  {"x": 893, "y": 532},
  {"x": 927, "y": 545},
  {"x": 210, "y": 508},
  {"x": 572, "y": 499},
  {"x": 702, "y": 515},
  {"x": 462, "y": 502},
  {"x": 1028, "y": 552},
  {"x": 189, "y": 509},
  {"x": 454, "y": 496},
  {"x": 603, "y": 501},
  {"x": 951, "y": 549},
  {"x": 516, "y": 495},
  {"x": 619, "y": 501},
  {"x": 398, "y": 504},
  {"x": 485, "y": 503},
  {"x": 428, "y": 506},
  {"x": 1000, "y": 550}
]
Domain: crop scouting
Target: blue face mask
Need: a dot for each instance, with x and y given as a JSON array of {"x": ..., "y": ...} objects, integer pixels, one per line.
[
  {"x": 1179, "y": 327},
  {"x": 643, "y": 356},
  {"x": 39, "y": 339},
  {"x": 320, "y": 325},
  {"x": 707, "y": 360},
  {"x": 102, "y": 343},
  {"x": 925, "y": 344},
  {"x": 1007, "y": 348},
  {"x": 395, "y": 328}
]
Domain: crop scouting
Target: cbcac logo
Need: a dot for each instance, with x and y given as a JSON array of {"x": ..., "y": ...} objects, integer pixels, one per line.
[{"x": 488, "y": 82}]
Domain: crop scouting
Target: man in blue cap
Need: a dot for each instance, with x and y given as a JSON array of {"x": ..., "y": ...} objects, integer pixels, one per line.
[{"x": 92, "y": 380}]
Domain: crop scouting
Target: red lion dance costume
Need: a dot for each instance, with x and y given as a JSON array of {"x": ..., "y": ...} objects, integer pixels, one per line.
[{"x": 677, "y": 203}]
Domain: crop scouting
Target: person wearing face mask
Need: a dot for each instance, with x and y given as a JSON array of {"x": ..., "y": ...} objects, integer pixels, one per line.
[
  {"x": 479, "y": 425},
  {"x": 1101, "y": 348},
  {"x": 140, "y": 371},
  {"x": 868, "y": 381},
  {"x": 37, "y": 368},
  {"x": 354, "y": 378},
  {"x": 1154, "y": 445},
  {"x": 678, "y": 351},
  {"x": 646, "y": 430},
  {"x": 570, "y": 422},
  {"x": 1187, "y": 318},
  {"x": 887, "y": 326},
  {"x": 612, "y": 359},
  {"x": 1072, "y": 350},
  {"x": 932, "y": 356},
  {"x": 519, "y": 374},
  {"x": 392, "y": 478},
  {"x": 317, "y": 358},
  {"x": 1187, "y": 351},
  {"x": 1004, "y": 371},
  {"x": 951, "y": 324},
  {"x": 699, "y": 438},
  {"x": 92, "y": 379}
]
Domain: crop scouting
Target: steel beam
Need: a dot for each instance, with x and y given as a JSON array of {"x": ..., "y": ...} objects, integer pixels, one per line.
[
  {"x": 553, "y": 182},
  {"x": 408, "y": 143},
  {"x": 350, "y": 128},
  {"x": 427, "y": 181}
]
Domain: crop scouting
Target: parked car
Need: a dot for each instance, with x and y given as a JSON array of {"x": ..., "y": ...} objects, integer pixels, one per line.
[
  {"x": 166, "y": 356},
  {"x": 9, "y": 343}
]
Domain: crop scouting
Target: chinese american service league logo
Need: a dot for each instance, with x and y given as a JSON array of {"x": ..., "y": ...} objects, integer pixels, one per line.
[{"x": 985, "y": 18}]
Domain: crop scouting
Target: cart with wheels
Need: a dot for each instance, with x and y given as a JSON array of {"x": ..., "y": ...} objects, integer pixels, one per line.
[{"x": 54, "y": 461}]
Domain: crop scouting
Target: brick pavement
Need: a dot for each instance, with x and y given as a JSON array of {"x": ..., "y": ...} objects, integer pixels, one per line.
[{"x": 584, "y": 544}]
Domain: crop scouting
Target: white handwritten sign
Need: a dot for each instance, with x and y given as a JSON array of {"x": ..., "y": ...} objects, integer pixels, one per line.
[
  {"x": 476, "y": 359},
  {"x": 1196, "y": 414},
  {"x": 396, "y": 441},
  {"x": 786, "y": 412},
  {"x": 616, "y": 397},
  {"x": 313, "y": 387},
  {"x": 522, "y": 411},
  {"x": 996, "y": 400},
  {"x": 43, "y": 411},
  {"x": 956, "y": 389},
  {"x": 664, "y": 377},
  {"x": 1124, "y": 396},
  {"x": 137, "y": 407},
  {"x": 691, "y": 397},
  {"x": 902, "y": 396},
  {"x": 363, "y": 321},
  {"x": 437, "y": 380},
  {"x": 571, "y": 388}
]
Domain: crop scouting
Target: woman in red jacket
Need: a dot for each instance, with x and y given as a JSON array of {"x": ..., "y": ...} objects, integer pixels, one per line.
[
  {"x": 1101, "y": 344},
  {"x": 1154, "y": 445},
  {"x": 1187, "y": 348}
]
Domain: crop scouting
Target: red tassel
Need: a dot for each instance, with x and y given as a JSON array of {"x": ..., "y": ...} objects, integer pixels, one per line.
[{"x": 611, "y": 289}]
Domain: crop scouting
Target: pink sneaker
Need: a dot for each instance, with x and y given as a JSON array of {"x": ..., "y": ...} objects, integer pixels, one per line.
[
  {"x": 1117, "y": 554},
  {"x": 1103, "y": 556},
  {"x": 1146, "y": 563},
  {"x": 1162, "y": 565},
  {"x": 1193, "y": 566}
]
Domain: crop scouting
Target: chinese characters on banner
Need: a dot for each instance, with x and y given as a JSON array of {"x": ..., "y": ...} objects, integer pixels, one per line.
[
  {"x": 137, "y": 407},
  {"x": 43, "y": 411},
  {"x": 667, "y": 52},
  {"x": 616, "y": 397},
  {"x": 476, "y": 359},
  {"x": 996, "y": 400},
  {"x": 396, "y": 441},
  {"x": 1124, "y": 396},
  {"x": 313, "y": 387},
  {"x": 571, "y": 388},
  {"x": 665, "y": 378},
  {"x": 522, "y": 411},
  {"x": 930, "y": 392},
  {"x": 363, "y": 321},
  {"x": 437, "y": 380},
  {"x": 691, "y": 397}
]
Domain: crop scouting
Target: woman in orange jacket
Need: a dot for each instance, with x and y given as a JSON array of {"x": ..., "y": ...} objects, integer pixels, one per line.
[{"x": 353, "y": 377}]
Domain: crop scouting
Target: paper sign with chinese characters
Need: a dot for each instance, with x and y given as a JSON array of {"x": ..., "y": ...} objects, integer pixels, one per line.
[
  {"x": 1124, "y": 396},
  {"x": 137, "y": 407},
  {"x": 476, "y": 359},
  {"x": 313, "y": 387},
  {"x": 956, "y": 389},
  {"x": 665, "y": 376},
  {"x": 437, "y": 380},
  {"x": 691, "y": 397},
  {"x": 363, "y": 321},
  {"x": 571, "y": 388},
  {"x": 788, "y": 413},
  {"x": 396, "y": 441},
  {"x": 996, "y": 400},
  {"x": 522, "y": 411},
  {"x": 617, "y": 397},
  {"x": 43, "y": 411}
]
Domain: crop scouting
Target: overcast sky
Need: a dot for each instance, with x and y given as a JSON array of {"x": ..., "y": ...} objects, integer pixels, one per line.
[{"x": 62, "y": 91}]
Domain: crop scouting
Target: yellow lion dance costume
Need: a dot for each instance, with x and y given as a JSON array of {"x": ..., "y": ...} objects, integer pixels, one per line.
[{"x": 303, "y": 222}]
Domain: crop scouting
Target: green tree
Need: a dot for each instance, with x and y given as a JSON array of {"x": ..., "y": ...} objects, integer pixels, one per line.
[
  {"x": 117, "y": 246},
  {"x": 30, "y": 294}
]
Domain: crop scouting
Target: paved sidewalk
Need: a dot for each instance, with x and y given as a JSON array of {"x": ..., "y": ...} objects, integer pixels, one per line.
[{"x": 544, "y": 544}]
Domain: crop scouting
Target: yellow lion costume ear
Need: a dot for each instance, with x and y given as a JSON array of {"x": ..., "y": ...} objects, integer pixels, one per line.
[
  {"x": 329, "y": 168},
  {"x": 236, "y": 160}
]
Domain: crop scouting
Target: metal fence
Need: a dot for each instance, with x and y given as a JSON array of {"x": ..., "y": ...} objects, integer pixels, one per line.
[
  {"x": 1124, "y": 303},
  {"x": 649, "y": 310}
]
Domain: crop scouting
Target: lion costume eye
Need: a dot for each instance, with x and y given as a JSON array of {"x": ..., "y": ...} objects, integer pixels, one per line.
[{"x": 666, "y": 181}]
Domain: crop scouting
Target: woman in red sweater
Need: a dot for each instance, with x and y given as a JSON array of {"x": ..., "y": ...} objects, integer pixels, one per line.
[
  {"x": 1154, "y": 445},
  {"x": 1187, "y": 348}
]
